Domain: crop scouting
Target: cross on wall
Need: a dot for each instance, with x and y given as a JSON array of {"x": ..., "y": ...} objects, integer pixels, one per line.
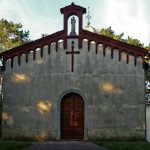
[{"x": 72, "y": 52}]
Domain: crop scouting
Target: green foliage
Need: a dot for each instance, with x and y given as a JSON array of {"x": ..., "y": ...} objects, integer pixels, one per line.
[
  {"x": 148, "y": 47},
  {"x": 13, "y": 145},
  {"x": 134, "y": 42},
  {"x": 111, "y": 34},
  {"x": 107, "y": 32},
  {"x": 12, "y": 35},
  {"x": 124, "y": 145}
]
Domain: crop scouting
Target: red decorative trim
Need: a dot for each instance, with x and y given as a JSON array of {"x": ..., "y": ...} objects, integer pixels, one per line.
[
  {"x": 49, "y": 49},
  {"x": 56, "y": 46},
  {"x": 112, "y": 53},
  {"x": 41, "y": 51},
  {"x": 119, "y": 55},
  {"x": 72, "y": 36},
  {"x": 96, "y": 48},
  {"x": 89, "y": 46},
  {"x": 25, "y": 49},
  {"x": 12, "y": 63},
  {"x": 135, "y": 62},
  {"x": 121, "y": 46},
  {"x": 83, "y": 34},
  {"x": 72, "y": 10},
  {"x": 26, "y": 57},
  {"x": 104, "y": 50},
  {"x": 37, "y": 43},
  {"x": 19, "y": 61},
  {"x": 127, "y": 58},
  {"x": 34, "y": 53},
  {"x": 114, "y": 44}
]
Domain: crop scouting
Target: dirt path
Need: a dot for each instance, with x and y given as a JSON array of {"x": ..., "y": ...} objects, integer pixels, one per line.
[{"x": 71, "y": 145}]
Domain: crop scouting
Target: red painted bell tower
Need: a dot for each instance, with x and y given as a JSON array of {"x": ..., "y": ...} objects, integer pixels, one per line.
[
  {"x": 72, "y": 10},
  {"x": 69, "y": 11}
]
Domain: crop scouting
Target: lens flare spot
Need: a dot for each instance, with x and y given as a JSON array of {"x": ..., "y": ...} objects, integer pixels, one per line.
[
  {"x": 107, "y": 87},
  {"x": 44, "y": 107},
  {"x": 41, "y": 137},
  {"x": 20, "y": 78},
  {"x": 5, "y": 116},
  {"x": 7, "y": 120}
]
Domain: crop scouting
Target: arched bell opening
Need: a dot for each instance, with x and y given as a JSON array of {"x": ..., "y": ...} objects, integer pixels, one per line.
[
  {"x": 73, "y": 10},
  {"x": 73, "y": 25}
]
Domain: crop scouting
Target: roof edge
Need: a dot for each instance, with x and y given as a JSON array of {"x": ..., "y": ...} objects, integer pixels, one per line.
[{"x": 73, "y": 6}]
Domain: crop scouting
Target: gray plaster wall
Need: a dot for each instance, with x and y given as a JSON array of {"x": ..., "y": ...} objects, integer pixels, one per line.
[
  {"x": 113, "y": 92},
  {"x": 148, "y": 122}
]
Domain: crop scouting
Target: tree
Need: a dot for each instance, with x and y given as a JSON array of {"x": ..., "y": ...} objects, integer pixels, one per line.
[
  {"x": 44, "y": 35},
  {"x": 148, "y": 47},
  {"x": 12, "y": 35},
  {"x": 111, "y": 34},
  {"x": 107, "y": 32},
  {"x": 134, "y": 42}
]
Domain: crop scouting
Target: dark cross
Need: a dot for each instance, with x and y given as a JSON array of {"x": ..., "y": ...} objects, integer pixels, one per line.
[
  {"x": 88, "y": 16},
  {"x": 72, "y": 52}
]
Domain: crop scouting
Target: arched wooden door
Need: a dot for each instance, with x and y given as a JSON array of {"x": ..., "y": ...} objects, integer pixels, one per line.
[{"x": 72, "y": 117}]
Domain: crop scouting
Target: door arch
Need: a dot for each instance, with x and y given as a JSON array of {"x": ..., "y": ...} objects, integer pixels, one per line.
[{"x": 72, "y": 117}]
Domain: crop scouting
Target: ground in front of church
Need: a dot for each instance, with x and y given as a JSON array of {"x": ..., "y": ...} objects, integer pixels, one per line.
[{"x": 65, "y": 145}]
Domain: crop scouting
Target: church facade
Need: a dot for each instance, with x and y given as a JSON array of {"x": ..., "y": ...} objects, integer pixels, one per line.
[{"x": 74, "y": 86}]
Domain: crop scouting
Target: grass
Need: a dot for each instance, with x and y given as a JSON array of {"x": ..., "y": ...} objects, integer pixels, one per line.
[
  {"x": 13, "y": 145},
  {"x": 124, "y": 145}
]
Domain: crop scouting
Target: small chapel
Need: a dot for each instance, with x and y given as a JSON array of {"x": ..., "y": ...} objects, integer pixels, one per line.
[{"x": 75, "y": 85}]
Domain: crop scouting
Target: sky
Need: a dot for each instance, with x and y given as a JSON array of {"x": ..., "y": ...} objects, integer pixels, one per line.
[{"x": 132, "y": 17}]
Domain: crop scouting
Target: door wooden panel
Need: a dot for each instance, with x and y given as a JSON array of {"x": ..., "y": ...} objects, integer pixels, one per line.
[{"x": 72, "y": 117}]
